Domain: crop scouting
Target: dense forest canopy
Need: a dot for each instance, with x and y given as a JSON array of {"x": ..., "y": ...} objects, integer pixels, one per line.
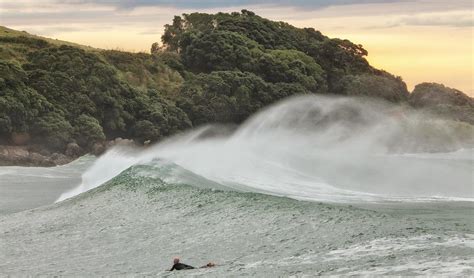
[
  {"x": 209, "y": 68},
  {"x": 238, "y": 63}
]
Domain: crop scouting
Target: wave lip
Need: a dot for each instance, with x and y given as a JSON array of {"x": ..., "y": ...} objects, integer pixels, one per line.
[{"x": 102, "y": 170}]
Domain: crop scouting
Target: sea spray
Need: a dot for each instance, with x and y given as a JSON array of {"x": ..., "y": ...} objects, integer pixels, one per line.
[
  {"x": 318, "y": 148},
  {"x": 103, "y": 169}
]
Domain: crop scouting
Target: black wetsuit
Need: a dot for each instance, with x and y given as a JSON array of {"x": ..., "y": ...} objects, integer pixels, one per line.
[{"x": 180, "y": 266}]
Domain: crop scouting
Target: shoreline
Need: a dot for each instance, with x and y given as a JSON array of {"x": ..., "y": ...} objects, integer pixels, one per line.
[
  {"x": 25, "y": 156},
  {"x": 39, "y": 156}
]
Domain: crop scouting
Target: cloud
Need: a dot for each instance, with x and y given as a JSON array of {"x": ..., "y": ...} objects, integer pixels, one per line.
[
  {"x": 453, "y": 19},
  {"x": 462, "y": 19},
  {"x": 57, "y": 29},
  {"x": 205, "y": 4}
]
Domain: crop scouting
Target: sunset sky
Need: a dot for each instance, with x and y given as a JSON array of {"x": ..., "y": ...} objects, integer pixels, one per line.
[{"x": 420, "y": 40}]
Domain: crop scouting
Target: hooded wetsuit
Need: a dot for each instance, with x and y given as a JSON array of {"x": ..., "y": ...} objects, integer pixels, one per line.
[{"x": 180, "y": 266}]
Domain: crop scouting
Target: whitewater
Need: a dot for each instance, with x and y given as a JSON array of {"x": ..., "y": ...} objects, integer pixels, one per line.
[{"x": 309, "y": 186}]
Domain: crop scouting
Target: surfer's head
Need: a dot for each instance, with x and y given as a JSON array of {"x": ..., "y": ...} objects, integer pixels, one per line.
[{"x": 176, "y": 260}]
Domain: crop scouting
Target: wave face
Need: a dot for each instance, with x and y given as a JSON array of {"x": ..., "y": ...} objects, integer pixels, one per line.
[
  {"x": 317, "y": 148},
  {"x": 137, "y": 222}
]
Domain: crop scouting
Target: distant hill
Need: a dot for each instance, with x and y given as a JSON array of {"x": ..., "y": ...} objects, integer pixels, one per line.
[
  {"x": 209, "y": 68},
  {"x": 6, "y": 33}
]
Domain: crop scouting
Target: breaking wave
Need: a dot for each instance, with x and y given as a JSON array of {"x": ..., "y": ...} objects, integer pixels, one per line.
[{"x": 313, "y": 148}]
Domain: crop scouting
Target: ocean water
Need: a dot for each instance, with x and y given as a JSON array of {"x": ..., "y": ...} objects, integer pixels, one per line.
[
  {"x": 303, "y": 188},
  {"x": 23, "y": 188}
]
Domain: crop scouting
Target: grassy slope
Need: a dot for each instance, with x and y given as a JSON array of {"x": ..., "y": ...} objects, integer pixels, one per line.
[
  {"x": 7, "y": 32},
  {"x": 136, "y": 69}
]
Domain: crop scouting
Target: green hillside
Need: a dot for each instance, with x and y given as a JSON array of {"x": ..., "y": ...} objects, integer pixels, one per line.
[
  {"x": 209, "y": 68},
  {"x": 59, "y": 93}
]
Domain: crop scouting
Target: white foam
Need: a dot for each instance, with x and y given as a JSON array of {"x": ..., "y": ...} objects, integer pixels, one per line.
[{"x": 382, "y": 247}]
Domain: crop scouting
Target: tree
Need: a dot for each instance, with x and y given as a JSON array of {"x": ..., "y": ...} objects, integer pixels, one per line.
[
  {"x": 155, "y": 47},
  {"x": 145, "y": 130},
  {"x": 172, "y": 34},
  {"x": 292, "y": 66},
  {"x": 87, "y": 131},
  {"x": 382, "y": 86},
  {"x": 220, "y": 50},
  {"x": 52, "y": 130}
]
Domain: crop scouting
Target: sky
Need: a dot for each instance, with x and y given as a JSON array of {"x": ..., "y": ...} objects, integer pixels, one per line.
[{"x": 419, "y": 40}]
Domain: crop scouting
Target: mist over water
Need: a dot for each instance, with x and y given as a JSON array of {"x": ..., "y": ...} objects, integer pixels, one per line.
[{"x": 316, "y": 148}]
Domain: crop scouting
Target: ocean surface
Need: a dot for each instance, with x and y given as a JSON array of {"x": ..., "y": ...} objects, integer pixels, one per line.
[{"x": 301, "y": 189}]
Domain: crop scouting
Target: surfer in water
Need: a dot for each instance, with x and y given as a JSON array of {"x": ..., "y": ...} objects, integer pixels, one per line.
[{"x": 180, "y": 266}]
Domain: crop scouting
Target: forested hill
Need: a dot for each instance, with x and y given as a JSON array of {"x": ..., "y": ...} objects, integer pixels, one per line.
[{"x": 208, "y": 68}]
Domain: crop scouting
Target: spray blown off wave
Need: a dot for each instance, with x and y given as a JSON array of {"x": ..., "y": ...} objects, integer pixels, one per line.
[{"x": 316, "y": 148}]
